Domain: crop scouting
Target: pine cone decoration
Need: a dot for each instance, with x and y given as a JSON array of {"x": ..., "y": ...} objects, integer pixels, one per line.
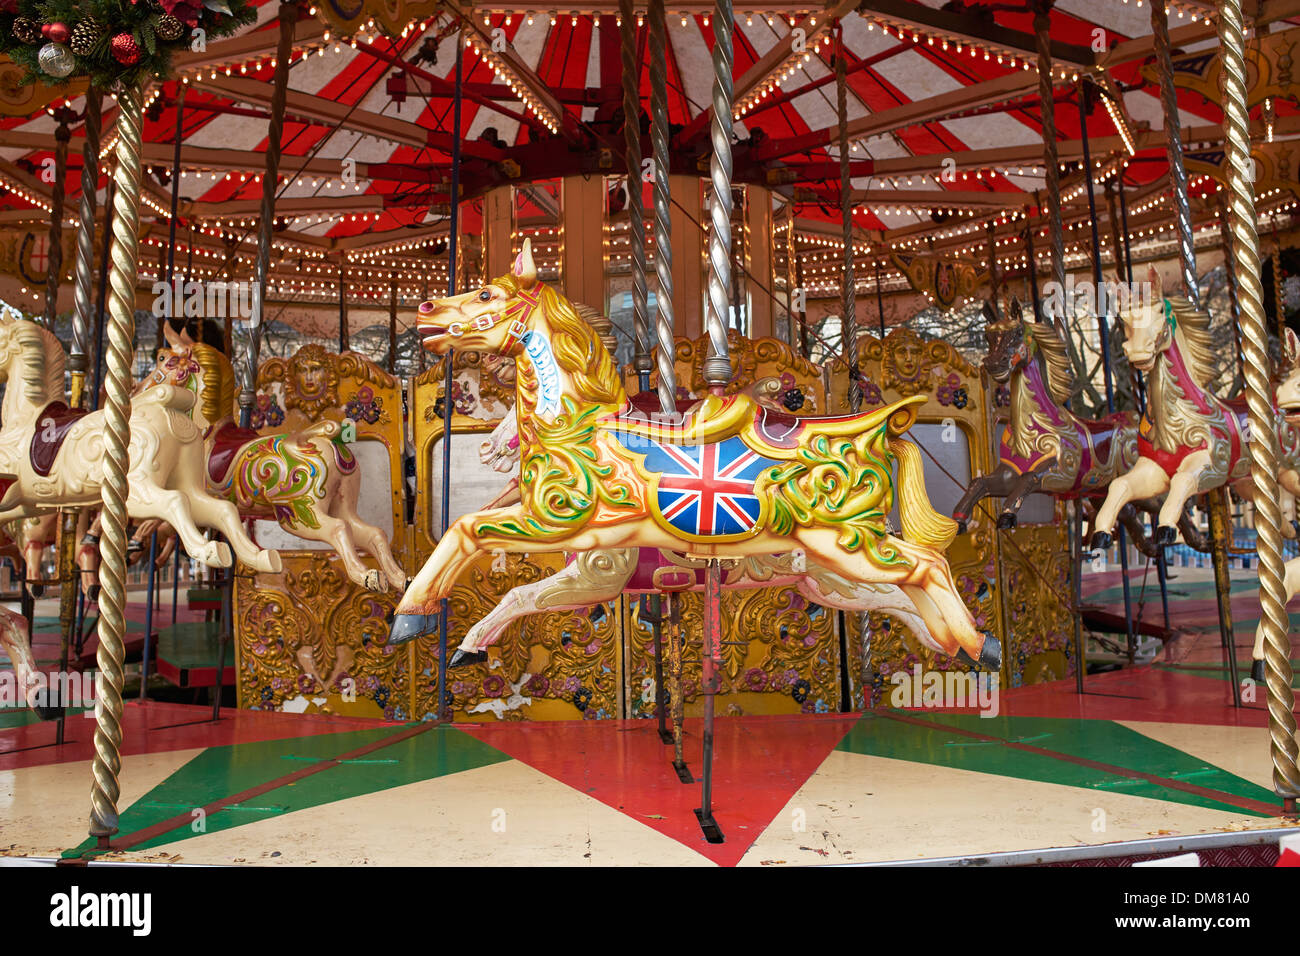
[
  {"x": 85, "y": 35},
  {"x": 28, "y": 31},
  {"x": 125, "y": 50},
  {"x": 169, "y": 27}
]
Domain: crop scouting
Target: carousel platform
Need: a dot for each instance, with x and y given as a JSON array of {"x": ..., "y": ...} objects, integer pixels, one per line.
[{"x": 1148, "y": 761}]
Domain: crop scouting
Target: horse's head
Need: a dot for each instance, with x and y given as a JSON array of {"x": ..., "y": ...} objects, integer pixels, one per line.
[
  {"x": 1288, "y": 392},
  {"x": 179, "y": 365},
  {"x": 1008, "y": 349},
  {"x": 492, "y": 319},
  {"x": 1147, "y": 329}
]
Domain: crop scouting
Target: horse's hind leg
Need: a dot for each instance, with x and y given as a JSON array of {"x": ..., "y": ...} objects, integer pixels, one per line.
[
  {"x": 592, "y": 578},
  {"x": 865, "y": 598},
  {"x": 1026, "y": 485},
  {"x": 367, "y": 535},
  {"x": 1143, "y": 480},
  {"x": 1185, "y": 482},
  {"x": 1291, "y": 581}
]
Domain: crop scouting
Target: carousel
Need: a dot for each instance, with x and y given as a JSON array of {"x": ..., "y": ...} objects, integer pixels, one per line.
[{"x": 682, "y": 434}]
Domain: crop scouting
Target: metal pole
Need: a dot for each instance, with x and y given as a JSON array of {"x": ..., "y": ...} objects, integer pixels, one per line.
[
  {"x": 112, "y": 601},
  {"x": 85, "y": 269},
  {"x": 101, "y": 317},
  {"x": 54, "y": 269},
  {"x": 1051, "y": 161},
  {"x": 343, "y": 300},
  {"x": 1259, "y": 395},
  {"x": 717, "y": 364},
  {"x": 664, "y": 309},
  {"x": 1033, "y": 267},
  {"x": 1103, "y": 328},
  {"x": 287, "y": 16},
  {"x": 392, "y": 326},
  {"x": 1174, "y": 152},
  {"x": 880, "y": 301},
  {"x": 444, "y": 711},
  {"x": 641, "y": 361},
  {"x": 848, "y": 293}
]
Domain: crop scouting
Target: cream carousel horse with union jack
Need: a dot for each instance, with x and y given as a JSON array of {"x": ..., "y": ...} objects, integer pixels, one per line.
[{"x": 730, "y": 480}]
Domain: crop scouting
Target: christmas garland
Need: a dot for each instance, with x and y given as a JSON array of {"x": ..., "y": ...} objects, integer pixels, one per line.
[{"x": 111, "y": 41}]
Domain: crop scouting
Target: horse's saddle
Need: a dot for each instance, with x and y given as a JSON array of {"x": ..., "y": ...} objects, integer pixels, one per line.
[
  {"x": 770, "y": 432},
  {"x": 227, "y": 439},
  {"x": 51, "y": 428}
]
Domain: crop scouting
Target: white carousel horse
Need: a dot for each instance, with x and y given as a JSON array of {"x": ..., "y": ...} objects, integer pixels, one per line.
[
  {"x": 582, "y": 492},
  {"x": 52, "y": 457},
  {"x": 306, "y": 480}
]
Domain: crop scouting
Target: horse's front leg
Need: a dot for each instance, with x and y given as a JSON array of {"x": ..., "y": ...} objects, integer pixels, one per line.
[
  {"x": 417, "y": 610},
  {"x": 995, "y": 483},
  {"x": 1014, "y": 500},
  {"x": 1184, "y": 483},
  {"x": 1143, "y": 480}
]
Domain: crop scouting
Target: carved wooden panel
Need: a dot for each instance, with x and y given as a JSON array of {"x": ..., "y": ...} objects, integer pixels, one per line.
[{"x": 308, "y": 638}]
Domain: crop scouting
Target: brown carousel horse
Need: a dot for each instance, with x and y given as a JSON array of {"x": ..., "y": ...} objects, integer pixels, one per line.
[{"x": 729, "y": 480}]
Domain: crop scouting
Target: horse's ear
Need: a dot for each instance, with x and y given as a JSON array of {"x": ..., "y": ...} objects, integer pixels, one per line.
[
  {"x": 1156, "y": 283},
  {"x": 1015, "y": 311},
  {"x": 170, "y": 334},
  {"x": 1291, "y": 350},
  {"x": 525, "y": 267}
]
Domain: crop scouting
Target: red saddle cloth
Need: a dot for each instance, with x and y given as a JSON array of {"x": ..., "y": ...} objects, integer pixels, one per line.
[
  {"x": 227, "y": 441},
  {"x": 647, "y": 403},
  {"x": 779, "y": 429},
  {"x": 51, "y": 428}
]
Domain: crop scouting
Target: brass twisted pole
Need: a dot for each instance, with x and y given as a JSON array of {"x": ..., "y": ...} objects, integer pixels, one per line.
[
  {"x": 717, "y": 366},
  {"x": 1264, "y": 443},
  {"x": 84, "y": 293},
  {"x": 1051, "y": 160},
  {"x": 848, "y": 295},
  {"x": 1174, "y": 150},
  {"x": 54, "y": 271},
  {"x": 635, "y": 214},
  {"x": 117, "y": 439},
  {"x": 664, "y": 313}
]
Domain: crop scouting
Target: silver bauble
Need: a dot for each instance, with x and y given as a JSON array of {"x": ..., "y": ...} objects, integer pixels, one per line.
[{"x": 56, "y": 59}]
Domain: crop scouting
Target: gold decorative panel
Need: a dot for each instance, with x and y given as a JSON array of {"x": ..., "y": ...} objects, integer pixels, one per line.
[{"x": 309, "y": 638}]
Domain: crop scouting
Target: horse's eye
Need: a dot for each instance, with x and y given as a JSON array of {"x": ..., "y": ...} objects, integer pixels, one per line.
[{"x": 484, "y": 295}]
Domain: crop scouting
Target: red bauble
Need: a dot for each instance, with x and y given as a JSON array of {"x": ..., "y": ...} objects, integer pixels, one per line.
[
  {"x": 125, "y": 50},
  {"x": 56, "y": 32}
]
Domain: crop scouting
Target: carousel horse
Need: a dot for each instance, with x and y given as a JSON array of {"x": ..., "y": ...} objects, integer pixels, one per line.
[
  {"x": 593, "y": 577},
  {"x": 1047, "y": 448},
  {"x": 52, "y": 457},
  {"x": 16, "y": 643},
  {"x": 728, "y": 480},
  {"x": 306, "y": 480},
  {"x": 31, "y": 537},
  {"x": 1189, "y": 440}
]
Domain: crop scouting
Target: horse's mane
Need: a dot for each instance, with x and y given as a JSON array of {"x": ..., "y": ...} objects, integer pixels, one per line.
[
  {"x": 218, "y": 397},
  {"x": 577, "y": 347},
  {"x": 43, "y": 361},
  {"x": 1194, "y": 324},
  {"x": 1046, "y": 337}
]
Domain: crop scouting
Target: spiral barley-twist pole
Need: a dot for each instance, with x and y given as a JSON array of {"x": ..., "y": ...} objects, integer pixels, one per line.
[
  {"x": 848, "y": 299},
  {"x": 664, "y": 318},
  {"x": 717, "y": 366},
  {"x": 1174, "y": 151},
  {"x": 1051, "y": 160},
  {"x": 635, "y": 214},
  {"x": 117, "y": 440},
  {"x": 1264, "y": 444}
]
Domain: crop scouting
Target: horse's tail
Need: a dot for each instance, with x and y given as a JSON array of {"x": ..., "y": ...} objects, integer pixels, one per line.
[{"x": 921, "y": 523}]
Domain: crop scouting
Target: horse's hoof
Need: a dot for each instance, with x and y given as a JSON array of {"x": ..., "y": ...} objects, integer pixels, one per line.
[
  {"x": 990, "y": 655},
  {"x": 1257, "y": 671},
  {"x": 407, "y": 627},
  {"x": 92, "y": 593},
  {"x": 1100, "y": 541},
  {"x": 1166, "y": 534},
  {"x": 134, "y": 547},
  {"x": 961, "y": 527},
  {"x": 1006, "y": 520},
  {"x": 268, "y": 561},
  {"x": 36, "y": 589},
  {"x": 466, "y": 659},
  {"x": 45, "y": 710}
]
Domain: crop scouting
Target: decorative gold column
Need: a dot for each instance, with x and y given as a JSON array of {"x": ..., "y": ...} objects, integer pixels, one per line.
[
  {"x": 1051, "y": 161},
  {"x": 1264, "y": 446},
  {"x": 117, "y": 439}
]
